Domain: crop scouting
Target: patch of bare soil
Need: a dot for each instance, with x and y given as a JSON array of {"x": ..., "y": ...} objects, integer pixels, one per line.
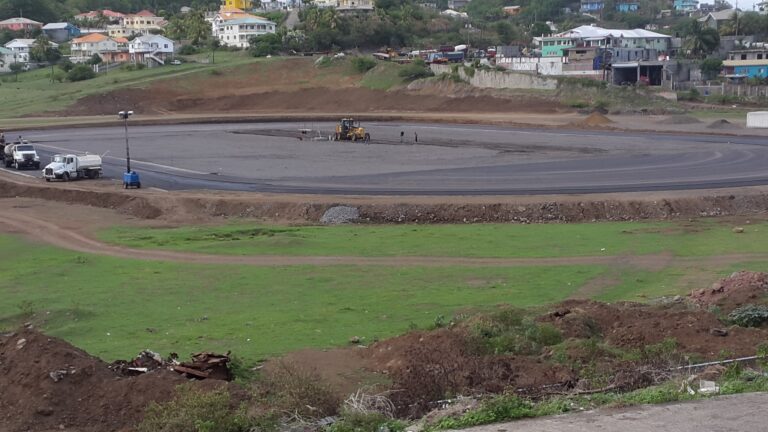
[
  {"x": 47, "y": 384},
  {"x": 722, "y": 124},
  {"x": 739, "y": 289},
  {"x": 596, "y": 119},
  {"x": 679, "y": 120}
]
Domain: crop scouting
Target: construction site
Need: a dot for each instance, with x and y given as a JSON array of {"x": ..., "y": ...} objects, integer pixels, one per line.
[{"x": 329, "y": 257}]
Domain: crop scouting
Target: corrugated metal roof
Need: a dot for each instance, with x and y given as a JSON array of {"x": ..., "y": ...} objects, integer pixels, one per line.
[
  {"x": 599, "y": 32},
  {"x": 56, "y": 26},
  {"x": 745, "y": 62},
  {"x": 249, "y": 20}
]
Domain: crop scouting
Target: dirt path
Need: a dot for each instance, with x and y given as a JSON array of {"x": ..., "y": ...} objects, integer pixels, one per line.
[{"x": 63, "y": 236}]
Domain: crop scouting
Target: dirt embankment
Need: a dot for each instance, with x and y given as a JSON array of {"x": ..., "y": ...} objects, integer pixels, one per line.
[
  {"x": 47, "y": 384},
  {"x": 191, "y": 207}
]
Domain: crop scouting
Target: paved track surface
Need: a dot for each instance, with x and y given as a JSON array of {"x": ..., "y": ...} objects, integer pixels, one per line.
[
  {"x": 446, "y": 160},
  {"x": 737, "y": 413}
]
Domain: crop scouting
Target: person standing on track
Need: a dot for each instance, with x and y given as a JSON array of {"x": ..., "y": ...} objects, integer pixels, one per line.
[
  {"x": 415, "y": 137},
  {"x": 402, "y": 136}
]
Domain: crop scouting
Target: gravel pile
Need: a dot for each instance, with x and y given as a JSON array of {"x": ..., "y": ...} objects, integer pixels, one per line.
[{"x": 340, "y": 215}]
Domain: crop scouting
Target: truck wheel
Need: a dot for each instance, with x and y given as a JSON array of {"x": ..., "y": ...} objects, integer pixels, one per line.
[
  {"x": 65, "y": 176},
  {"x": 37, "y": 165},
  {"x": 138, "y": 185},
  {"x": 47, "y": 179}
]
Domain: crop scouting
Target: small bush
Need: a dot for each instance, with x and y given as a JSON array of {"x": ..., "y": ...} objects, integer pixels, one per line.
[
  {"x": 66, "y": 65},
  {"x": 215, "y": 72},
  {"x": 363, "y": 64},
  {"x": 582, "y": 82},
  {"x": 749, "y": 315},
  {"x": 81, "y": 73},
  {"x": 506, "y": 407},
  {"x": 58, "y": 76},
  {"x": 469, "y": 71},
  {"x": 416, "y": 70},
  {"x": 293, "y": 389},
  {"x": 188, "y": 50},
  {"x": 140, "y": 66},
  {"x": 579, "y": 104},
  {"x": 359, "y": 422},
  {"x": 196, "y": 411}
]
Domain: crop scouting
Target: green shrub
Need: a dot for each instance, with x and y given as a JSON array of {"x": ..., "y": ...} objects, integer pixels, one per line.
[
  {"x": 749, "y": 315},
  {"x": 188, "y": 50},
  {"x": 66, "y": 65},
  {"x": 363, "y": 64},
  {"x": 509, "y": 331},
  {"x": 297, "y": 390},
  {"x": 194, "y": 410},
  {"x": 81, "y": 72},
  {"x": 581, "y": 82},
  {"x": 578, "y": 104},
  {"x": 469, "y": 71},
  {"x": 371, "y": 422},
  {"x": 506, "y": 407},
  {"x": 416, "y": 70}
]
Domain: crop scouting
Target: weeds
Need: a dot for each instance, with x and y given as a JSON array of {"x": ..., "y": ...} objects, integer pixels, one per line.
[
  {"x": 366, "y": 422},
  {"x": 509, "y": 331},
  {"x": 298, "y": 391},
  {"x": 363, "y": 64},
  {"x": 750, "y": 315},
  {"x": 196, "y": 411}
]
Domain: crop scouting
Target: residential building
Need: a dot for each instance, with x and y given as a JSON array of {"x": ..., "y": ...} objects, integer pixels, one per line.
[
  {"x": 20, "y": 24},
  {"x": 453, "y": 14},
  {"x": 109, "y": 16},
  {"x": 739, "y": 69},
  {"x": 83, "y": 48},
  {"x": 151, "y": 49},
  {"x": 512, "y": 10},
  {"x": 6, "y": 60},
  {"x": 357, "y": 6},
  {"x": 21, "y": 49},
  {"x": 457, "y": 4},
  {"x": 144, "y": 22},
  {"x": 239, "y": 4},
  {"x": 762, "y": 7},
  {"x": 715, "y": 19},
  {"x": 706, "y": 8},
  {"x": 627, "y": 6},
  {"x": 686, "y": 6},
  {"x": 60, "y": 32},
  {"x": 749, "y": 54},
  {"x": 325, "y": 3},
  {"x": 121, "y": 55},
  {"x": 237, "y": 33},
  {"x": 592, "y": 6},
  {"x": 593, "y": 36}
]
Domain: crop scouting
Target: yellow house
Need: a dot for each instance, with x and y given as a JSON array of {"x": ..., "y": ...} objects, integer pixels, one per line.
[{"x": 240, "y": 4}]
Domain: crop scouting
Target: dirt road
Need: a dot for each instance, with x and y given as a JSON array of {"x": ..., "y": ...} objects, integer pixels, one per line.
[{"x": 744, "y": 412}]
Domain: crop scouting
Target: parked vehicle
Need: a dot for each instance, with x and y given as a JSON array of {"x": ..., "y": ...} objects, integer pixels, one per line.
[
  {"x": 70, "y": 167},
  {"x": 21, "y": 155}
]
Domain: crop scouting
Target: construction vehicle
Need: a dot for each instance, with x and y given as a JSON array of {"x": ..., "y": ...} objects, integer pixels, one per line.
[
  {"x": 20, "y": 155},
  {"x": 70, "y": 167},
  {"x": 350, "y": 130}
]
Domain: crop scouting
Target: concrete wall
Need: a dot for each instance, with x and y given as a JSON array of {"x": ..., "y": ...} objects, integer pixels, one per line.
[
  {"x": 500, "y": 79},
  {"x": 536, "y": 65}
]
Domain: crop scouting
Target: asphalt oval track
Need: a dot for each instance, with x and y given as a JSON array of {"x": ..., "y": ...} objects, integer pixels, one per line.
[{"x": 431, "y": 159}]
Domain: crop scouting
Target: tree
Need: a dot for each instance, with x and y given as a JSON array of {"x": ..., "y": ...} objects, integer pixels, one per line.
[
  {"x": 39, "y": 51},
  {"x": 711, "y": 67},
  {"x": 15, "y": 69},
  {"x": 95, "y": 60},
  {"x": 700, "y": 40},
  {"x": 264, "y": 45},
  {"x": 540, "y": 28},
  {"x": 214, "y": 44}
]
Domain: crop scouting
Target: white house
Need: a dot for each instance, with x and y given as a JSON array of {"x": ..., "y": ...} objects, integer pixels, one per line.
[
  {"x": 235, "y": 33},
  {"x": 151, "y": 48},
  {"x": 83, "y": 48},
  {"x": 21, "y": 48},
  {"x": 6, "y": 59}
]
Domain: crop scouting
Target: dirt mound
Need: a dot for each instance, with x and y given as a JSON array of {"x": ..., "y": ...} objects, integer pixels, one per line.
[
  {"x": 734, "y": 291},
  {"x": 679, "y": 120},
  {"x": 721, "y": 124},
  {"x": 595, "y": 119},
  {"x": 636, "y": 325},
  {"x": 48, "y": 384}
]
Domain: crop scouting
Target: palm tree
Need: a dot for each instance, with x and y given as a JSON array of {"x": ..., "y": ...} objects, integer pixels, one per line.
[{"x": 701, "y": 40}]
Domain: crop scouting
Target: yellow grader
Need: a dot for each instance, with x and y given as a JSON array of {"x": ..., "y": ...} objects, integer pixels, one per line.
[{"x": 350, "y": 130}]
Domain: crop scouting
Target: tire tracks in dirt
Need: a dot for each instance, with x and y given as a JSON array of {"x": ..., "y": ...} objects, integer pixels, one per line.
[{"x": 55, "y": 235}]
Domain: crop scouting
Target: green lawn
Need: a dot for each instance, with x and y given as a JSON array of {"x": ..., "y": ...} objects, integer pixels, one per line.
[
  {"x": 698, "y": 238},
  {"x": 35, "y": 93},
  {"x": 383, "y": 77}
]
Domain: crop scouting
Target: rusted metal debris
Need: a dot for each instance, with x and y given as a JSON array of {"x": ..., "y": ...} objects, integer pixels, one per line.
[{"x": 204, "y": 365}]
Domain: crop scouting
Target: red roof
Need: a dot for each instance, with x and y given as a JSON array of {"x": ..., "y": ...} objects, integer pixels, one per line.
[
  {"x": 106, "y": 12},
  {"x": 144, "y": 13}
]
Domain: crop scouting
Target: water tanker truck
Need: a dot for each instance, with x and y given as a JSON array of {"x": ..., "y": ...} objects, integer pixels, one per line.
[
  {"x": 69, "y": 167},
  {"x": 20, "y": 155}
]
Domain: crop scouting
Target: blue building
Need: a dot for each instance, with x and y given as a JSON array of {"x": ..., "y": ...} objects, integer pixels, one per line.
[
  {"x": 592, "y": 6},
  {"x": 745, "y": 68},
  {"x": 630, "y": 6},
  {"x": 60, "y": 32},
  {"x": 686, "y": 5}
]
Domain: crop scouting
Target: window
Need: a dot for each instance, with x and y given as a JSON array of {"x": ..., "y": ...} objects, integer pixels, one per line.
[
  {"x": 166, "y": 46},
  {"x": 759, "y": 56},
  {"x": 743, "y": 56}
]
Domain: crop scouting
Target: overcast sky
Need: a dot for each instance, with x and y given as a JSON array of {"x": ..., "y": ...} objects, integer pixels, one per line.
[{"x": 743, "y": 4}]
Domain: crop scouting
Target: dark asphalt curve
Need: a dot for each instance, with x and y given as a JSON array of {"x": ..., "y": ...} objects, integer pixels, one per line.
[{"x": 446, "y": 160}]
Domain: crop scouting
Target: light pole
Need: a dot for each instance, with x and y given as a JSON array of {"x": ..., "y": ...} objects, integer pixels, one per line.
[
  {"x": 125, "y": 115},
  {"x": 130, "y": 178}
]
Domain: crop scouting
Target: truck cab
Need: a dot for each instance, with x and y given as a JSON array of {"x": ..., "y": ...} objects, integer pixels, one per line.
[{"x": 21, "y": 155}]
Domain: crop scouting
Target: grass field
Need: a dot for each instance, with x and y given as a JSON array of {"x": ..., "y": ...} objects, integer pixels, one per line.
[
  {"x": 35, "y": 93},
  {"x": 115, "y": 307},
  {"x": 383, "y": 77},
  {"x": 697, "y": 238}
]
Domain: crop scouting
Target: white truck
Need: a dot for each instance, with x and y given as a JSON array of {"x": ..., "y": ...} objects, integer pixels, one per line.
[
  {"x": 69, "y": 167},
  {"x": 21, "y": 155}
]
